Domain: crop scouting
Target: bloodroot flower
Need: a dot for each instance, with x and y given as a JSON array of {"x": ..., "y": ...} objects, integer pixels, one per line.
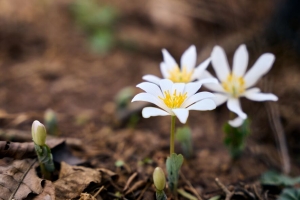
[
  {"x": 175, "y": 99},
  {"x": 237, "y": 83},
  {"x": 185, "y": 73}
]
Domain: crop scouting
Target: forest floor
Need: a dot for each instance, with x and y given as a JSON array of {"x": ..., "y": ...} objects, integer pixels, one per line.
[{"x": 45, "y": 62}]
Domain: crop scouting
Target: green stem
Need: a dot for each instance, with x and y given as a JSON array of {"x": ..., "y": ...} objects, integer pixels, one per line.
[
  {"x": 172, "y": 134},
  {"x": 45, "y": 173}
]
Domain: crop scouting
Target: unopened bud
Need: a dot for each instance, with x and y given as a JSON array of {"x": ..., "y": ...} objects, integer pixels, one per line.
[
  {"x": 159, "y": 178},
  {"x": 38, "y": 132},
  {"x": 50, "y": 116}
]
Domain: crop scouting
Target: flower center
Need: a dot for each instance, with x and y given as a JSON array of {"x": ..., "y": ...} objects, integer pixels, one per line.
[
  {"x": 173, "y": 100},
  {"x": 235, "y": 85},
  {"x": 180, "y": 76}
]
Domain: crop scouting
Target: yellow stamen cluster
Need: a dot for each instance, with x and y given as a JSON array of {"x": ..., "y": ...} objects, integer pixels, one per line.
[
  {"x": 180, "y": 76},
  {"x": 235, "y": 85},
  {"x": 175, "y": 100}
]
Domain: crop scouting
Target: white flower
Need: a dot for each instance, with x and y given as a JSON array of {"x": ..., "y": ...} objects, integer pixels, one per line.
[
  {"x": 237, "y": 83},
  {"x": 174, "y": 99},
  {"x": 184, "y": 74}
]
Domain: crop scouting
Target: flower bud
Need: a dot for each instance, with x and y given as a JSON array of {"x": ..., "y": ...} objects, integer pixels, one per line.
[
  {"x": 50, "y": 116},
  {"x": 159, "y": 178},
  {"x": 38, "y": 132}
]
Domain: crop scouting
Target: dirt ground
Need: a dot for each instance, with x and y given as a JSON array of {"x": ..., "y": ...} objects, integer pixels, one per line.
[{"x": 45, "y": 62}]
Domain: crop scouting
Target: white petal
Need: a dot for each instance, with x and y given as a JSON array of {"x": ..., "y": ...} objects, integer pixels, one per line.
[
  {"x": 197, "y": 97},
  {"x": 205, "y": 75},
  {"x": 240, "y": 61},
  {"x": 150, "y": 88},
  {"x": 165, "y": 85},
  {"x": 178, "y": 87},
  {"x": 233, "y": 105},
  {"x": 261, "y": 96},
  {"x": 150, "y": 98},
  {"x": 168, "y": 59},
  {"x": 220, "y": 98},
  {"x": 192, "y": 88},
  {"x": 220, "y": 63},
  {"x": 182, "y": 114},
  {"x": 216, "y": 87},
  {"x": 188, "y": 58},
  {"x": 208, "y": 80},
  {"x": 205, "y": 104},
  {"x": 164, "y": 70},
  {"x": 151, "y": 78},
  {"x": 236, "y": 122},
  {"x": 260, "y": 68},
  {"x": 211, "y": 86},
  {"x": 252, "y": 90},
  {"x": 200, "y": 69},
  {"x": 151, "y": 112}
]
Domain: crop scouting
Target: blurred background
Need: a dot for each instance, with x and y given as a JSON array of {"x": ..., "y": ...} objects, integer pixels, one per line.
[{"x": 76, "y": 56}]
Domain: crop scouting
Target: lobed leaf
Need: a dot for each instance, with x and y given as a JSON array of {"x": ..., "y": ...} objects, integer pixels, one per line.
[{"x": 173, "y": 165}]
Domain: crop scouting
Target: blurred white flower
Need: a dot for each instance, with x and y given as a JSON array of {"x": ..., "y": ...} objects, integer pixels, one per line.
[
  {"x": 174, "y": 99},
  {"x": 237, "y": 83},
  {"x": 184, "y": 74}
]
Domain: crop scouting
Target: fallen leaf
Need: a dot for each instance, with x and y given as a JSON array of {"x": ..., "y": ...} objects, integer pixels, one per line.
[
  {"x": 19, "y": 179},
  {"x": 59, "y": 149},
  {"x": 48, "y": 192},
  {"x": 86, "y": 196},
  {"x": 16, "y": 150},
  {"x": 61, "y": 152},
  {"x": 25, "y": 136},
  {"x": 73, "y": 180}
]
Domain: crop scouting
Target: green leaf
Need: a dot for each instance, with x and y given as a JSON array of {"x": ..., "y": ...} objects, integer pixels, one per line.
[
  {"x": 119, "y": 163},
  {"x": 290, "y": 194},
  {"x": 184, "y": 136},
  {"x": 45, "y": 156},
  {"x": 186, "y": 195},
  {"x": 235, "y": 138},
  {"x": 215, "y": 198},
  {"x": 160, "y": 195},
  {"x": 276, "y": 179},
  {"x": 173, "y": 165},
  {"x": 102, "y": 41}
]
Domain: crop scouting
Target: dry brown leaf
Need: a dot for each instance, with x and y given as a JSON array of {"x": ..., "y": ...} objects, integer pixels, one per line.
[
  {"x": 86, "y": 196},
  {"x": 48, "y": 192},
  {"x": 25, "y": 136},
  {"x": 16, "y": 150},
  {"x": 19, "y": 179},
  {"x": 19, "y": 150},
  {"x": 73, "y": 180}
]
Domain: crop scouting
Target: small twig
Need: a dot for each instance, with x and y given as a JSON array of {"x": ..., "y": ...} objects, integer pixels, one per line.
[
  {"x": 274, "y": 120},
  {"x": 21, "y": 181},
  {"x": 131, "y": 178},
  {"x": 222, "y": 186},
  {"x": 143, "y": 191},
  {"x": 100, "y": 189},
  {"x": 266, "y": 195},
  {"x": 256, "y": 193},
  {"x": 190, "y": 185},
  {"x": 114, "y": 185}
]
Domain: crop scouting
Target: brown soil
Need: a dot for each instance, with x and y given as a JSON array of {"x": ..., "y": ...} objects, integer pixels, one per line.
[{"x": 45, "y": 63}]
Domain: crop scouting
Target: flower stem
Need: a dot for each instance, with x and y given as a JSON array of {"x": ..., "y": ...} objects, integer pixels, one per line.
[
  {"x": 45, "y": 173},
  {"x": 172, "y": 134}
]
